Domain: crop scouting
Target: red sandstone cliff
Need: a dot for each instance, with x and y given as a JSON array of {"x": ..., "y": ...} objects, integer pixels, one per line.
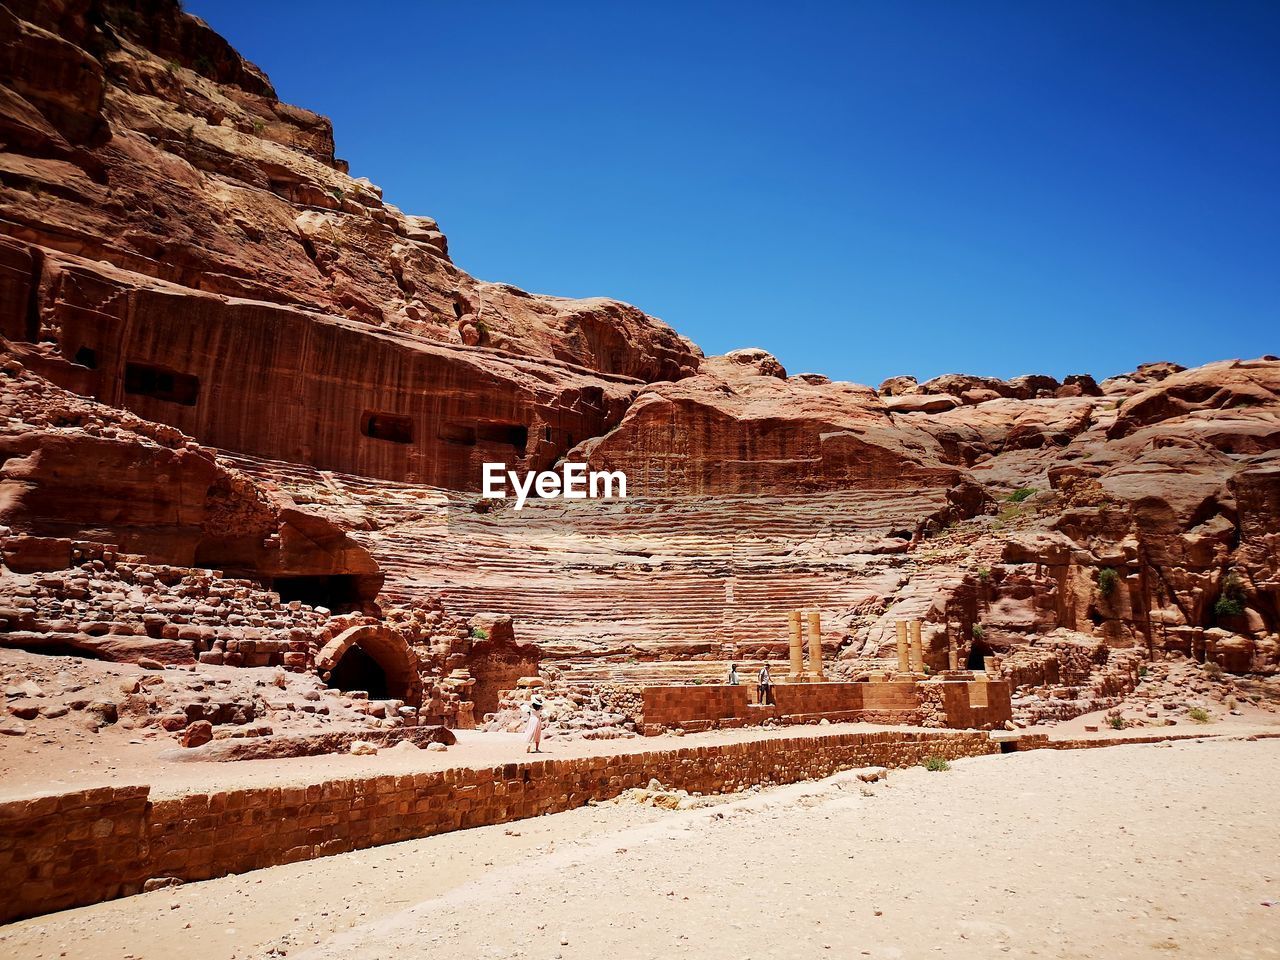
[
  {"x": 77, "y": 470},
  {"x": 313, "y": 384},
  {"x": 742, "y": 426},
  {"x": 191, "y": 249}
]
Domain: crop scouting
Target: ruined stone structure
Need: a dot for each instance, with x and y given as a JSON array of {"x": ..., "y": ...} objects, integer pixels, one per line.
[
  {"x": 975, "y": 702},
  {"x": 232, "y": 372},
  {"x": 814, "y": 620},
  {"x": 396, "y": 663}
]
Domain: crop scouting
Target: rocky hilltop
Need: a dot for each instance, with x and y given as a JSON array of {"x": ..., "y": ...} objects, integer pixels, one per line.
[{"x": 233, "y": 372}]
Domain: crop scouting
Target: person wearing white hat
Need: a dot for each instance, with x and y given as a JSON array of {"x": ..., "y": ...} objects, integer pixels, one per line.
[{"x": 533, "y": 729}]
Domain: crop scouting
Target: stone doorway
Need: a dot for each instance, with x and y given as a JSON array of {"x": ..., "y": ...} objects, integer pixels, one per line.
[{"x": 977, "y": 655}]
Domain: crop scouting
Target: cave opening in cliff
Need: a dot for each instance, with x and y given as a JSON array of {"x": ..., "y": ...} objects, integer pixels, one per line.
[
  {"x": 387, "y": 426},
  {"x": 338, "y": 592},
  {"x": 86, "y": 357},
  {"x": 148, "y": 380},
  {"x": 358, "y": 670},
  {"x": 514, "y": 434},
  {"x": 457, "y": 433},
  {"x": 977, "y": 655}
]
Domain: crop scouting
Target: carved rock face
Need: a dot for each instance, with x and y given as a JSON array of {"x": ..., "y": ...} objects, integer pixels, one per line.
[
  {"x": 182, "y": 247},
  {"x": 147, "y": 143}
]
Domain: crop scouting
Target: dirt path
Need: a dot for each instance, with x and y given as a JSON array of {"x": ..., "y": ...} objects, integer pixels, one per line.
[{"x": 1134, "y": 851}]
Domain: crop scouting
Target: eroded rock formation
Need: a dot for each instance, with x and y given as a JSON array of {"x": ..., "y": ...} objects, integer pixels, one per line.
[
  {"x": 184, "y": 245},
  {"x": 233, "y": 372}
]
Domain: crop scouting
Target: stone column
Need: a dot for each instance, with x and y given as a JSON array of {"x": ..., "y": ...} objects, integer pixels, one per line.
[
  {"x": 797, "y": 646},
  {"x": 904, "y": 657},
  {"x": 953, "y": 655},
  {"x": 917, "y": 648},
  {"x": 815, "y": 644}
]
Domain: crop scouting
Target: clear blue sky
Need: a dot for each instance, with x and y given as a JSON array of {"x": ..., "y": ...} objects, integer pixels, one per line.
[{"x": 863, "y": 189}]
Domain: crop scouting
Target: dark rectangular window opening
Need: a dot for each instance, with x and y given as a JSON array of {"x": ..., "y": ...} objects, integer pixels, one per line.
[
  {"x": 86, "y": 357},
  {"x": 147, "y": 380},
  {"x": 457, "y": 433},
  {"x": 387, "y": 426},
  {"x": 514, "y": 434}
]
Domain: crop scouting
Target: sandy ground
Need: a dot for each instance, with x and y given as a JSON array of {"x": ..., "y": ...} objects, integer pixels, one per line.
[
  {"x": 1250, "y": 720},
  {"x": 59, "y": 754},
  {"x": 1133, "y": 851},
  {"x": 117, "y": 757}
]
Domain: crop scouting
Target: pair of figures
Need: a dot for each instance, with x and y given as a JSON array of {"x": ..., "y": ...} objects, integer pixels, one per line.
[{"x": 764, "y": 682}]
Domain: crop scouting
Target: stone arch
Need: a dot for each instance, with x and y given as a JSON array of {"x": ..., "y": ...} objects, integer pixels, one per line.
[{"x": 387, "y": 648}]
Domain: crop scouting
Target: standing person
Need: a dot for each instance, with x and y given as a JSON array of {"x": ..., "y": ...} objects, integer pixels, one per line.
[
  {"x": 764, "y": 686},
  {"x": 533, "y": 729},
  {"x": 733, "y": 674}
]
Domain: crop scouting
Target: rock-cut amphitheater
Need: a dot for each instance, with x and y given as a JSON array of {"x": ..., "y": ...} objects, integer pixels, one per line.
[{"x": 245, "y": 403}]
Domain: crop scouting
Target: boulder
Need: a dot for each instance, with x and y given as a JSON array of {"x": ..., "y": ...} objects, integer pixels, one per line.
[{"x": 197, "y": 734}]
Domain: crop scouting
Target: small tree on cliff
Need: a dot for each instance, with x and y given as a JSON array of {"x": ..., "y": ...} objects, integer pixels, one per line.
[
  {"x": 1230, "y": 602},
  {"x": 1107, "y": 580}
]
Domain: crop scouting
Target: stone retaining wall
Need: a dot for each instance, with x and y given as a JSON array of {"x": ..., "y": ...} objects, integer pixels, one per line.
[
  {"x": 975, "y": 704},
  {"x": 71, "y": 849},
  {"x": 91, "y": 845}
]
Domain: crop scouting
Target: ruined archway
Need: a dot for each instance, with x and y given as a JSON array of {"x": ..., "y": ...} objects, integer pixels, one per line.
[
  {"x": 357, "y": 670},
  {"x": 374, "y": 655}
]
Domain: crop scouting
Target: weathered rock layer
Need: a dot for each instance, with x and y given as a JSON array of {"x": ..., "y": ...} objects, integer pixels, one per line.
[{"x": 227, "y": 357}]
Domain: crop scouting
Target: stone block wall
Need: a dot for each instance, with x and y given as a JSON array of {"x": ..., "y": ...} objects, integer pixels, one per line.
[
  {"x": 981, "y": 704},
  {"x": 797, "y": 702},
  {"x": 698, "y": 706},
  {"x": 1041, "y": 741},
  {"x": 92, "y": 845},
  {"x": 72, "y": 849}
]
